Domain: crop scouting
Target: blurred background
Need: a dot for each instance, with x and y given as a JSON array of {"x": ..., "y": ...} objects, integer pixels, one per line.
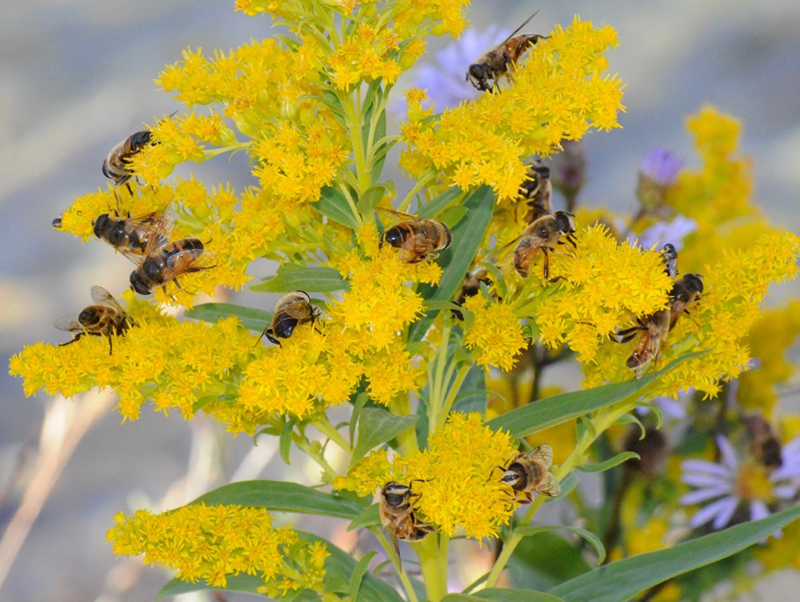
[{"x": 77, "y": 77}]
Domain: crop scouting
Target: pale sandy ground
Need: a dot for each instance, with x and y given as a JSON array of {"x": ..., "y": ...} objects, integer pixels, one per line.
[{"x": 77, "y": 77}]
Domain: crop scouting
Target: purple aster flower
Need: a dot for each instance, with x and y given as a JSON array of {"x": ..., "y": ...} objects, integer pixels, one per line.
[
  {"x": 662, "y": 233},
  {"x": 661, "y": 167},
  {"x": 446, "y": 81},
  {"x": 657, "y": 173},
  {"x": 726, "y": 485}
]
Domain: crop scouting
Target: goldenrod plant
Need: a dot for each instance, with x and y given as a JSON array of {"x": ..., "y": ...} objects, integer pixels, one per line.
[{"x": 448, "y": 432}]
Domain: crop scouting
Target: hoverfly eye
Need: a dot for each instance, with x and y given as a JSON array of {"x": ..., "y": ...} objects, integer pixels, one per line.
[
  {"x": 394, "y": 237},
  {"x": 476, "y": 71},
  {"x": 564, "y": 221},
  {"x": 137, "y": 284},
  {"x": 100, "y": 224},
  {"x": 393, "y": 499},
  {"x": 696, "y": 282}
]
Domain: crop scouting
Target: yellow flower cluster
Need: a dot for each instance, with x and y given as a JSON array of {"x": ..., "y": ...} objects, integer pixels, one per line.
[
  {"x": 365, "y": 55},
  {"x": 559, "y": 92},
  {"x": 176, "y": 364},
  {"x": 457, "y": 467},
  {"x": 719, "y": 322},
  {"x": 231, "y": 242},
  {"x": 770, "y": 338},
  {"x": 716, "y": 194},
  {"x": 604, "y": 285},
  {"x": 179, "y": 139},
  {"x": 321, "y": 366},
  {"x": 216, "y": 542},
  {"x": 378, "y": 303},
  {"x": 297, "y": 143},
  {"x": 496, "y": 332},
  {"x": 312, "y": 365}
]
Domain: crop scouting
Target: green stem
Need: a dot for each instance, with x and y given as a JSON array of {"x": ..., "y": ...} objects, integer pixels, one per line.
[
  {"x": 452, "y": 394},
  {"x": 431, "y": 565},
  {"x": 317, "y": 455},
  {"x": 420, "y": 184},
  {"x": 325, "y": 427},
  {"x": 351, "y": 103},
  {"x": 436, "y": 378}
]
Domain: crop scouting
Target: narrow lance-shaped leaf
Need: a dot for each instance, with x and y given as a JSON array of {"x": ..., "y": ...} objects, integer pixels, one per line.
[
  {"x": 560, "y": 408},
  {"x": 287, "y": 497},
  {"x": 610, "y": 463},
  {"x": 439, "y": 203},
  {"x": 502, "y": 595},
  {"x": 376, "y": 426},
  {"x": 622, "y": 580},
  {"x": 333, "y": 205},
  {"x": 455, "y": 261},
  {"x": 250, "y": 318},
  {"x": 310, "y": 280}
]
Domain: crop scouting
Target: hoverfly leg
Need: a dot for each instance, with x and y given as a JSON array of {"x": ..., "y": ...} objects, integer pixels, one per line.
[
  {"x": 546, "y": 264},
  {"x": 270, "y": 337},
  {"x": 74, "y": 340},
  {"x": 110, "y": 350}
]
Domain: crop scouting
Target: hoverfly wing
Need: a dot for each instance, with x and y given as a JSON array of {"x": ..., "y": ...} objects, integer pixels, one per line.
[
  {"x": 551, "y": 486},
  {"x": 518, "y": 29},
  {"x": 161, "y": 233},
  {"x": 398, "y": 215},
  {"x": 544, "y": 453},
  {"x": 102, "y": 297},
  {"x": 68, "y": 324}
]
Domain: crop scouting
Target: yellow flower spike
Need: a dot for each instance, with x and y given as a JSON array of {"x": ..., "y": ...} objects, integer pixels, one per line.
[
  {"x": 496, "y": 332},
  {"x": 457, "y": 467},
  {"x": 212, "y": 543},
  {"x": 559, "y": 91},
  {"x": 604, "y": 284}
]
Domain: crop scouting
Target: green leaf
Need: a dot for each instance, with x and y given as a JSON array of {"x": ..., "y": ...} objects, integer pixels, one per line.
[
  {"x": 437, "y": 204},
  {"x": 610, "y": 463},
  {"x": 455, "y": 261},
  {"x": 624, "y": 579},
  {"x": 531, "y": 569},
  {"x": 502, "y": 595},
  {"x": 250, "y": 318},
  {"x": 247, "y": 584},
  {"x": 560, "y": 408},
  {"x": 632, "y": 419},
  {"x": 284, "y": 497},
  {"x": 587, "y": 535},
  {"x": 310, "y": 280},
  {"x": 358, "y": 574},
  {"x": 370, "y": 199},
  {"x": 376, "y": 426},
  {"x": 370, "y": 517},
  {"x": 333, "y": 204}
]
